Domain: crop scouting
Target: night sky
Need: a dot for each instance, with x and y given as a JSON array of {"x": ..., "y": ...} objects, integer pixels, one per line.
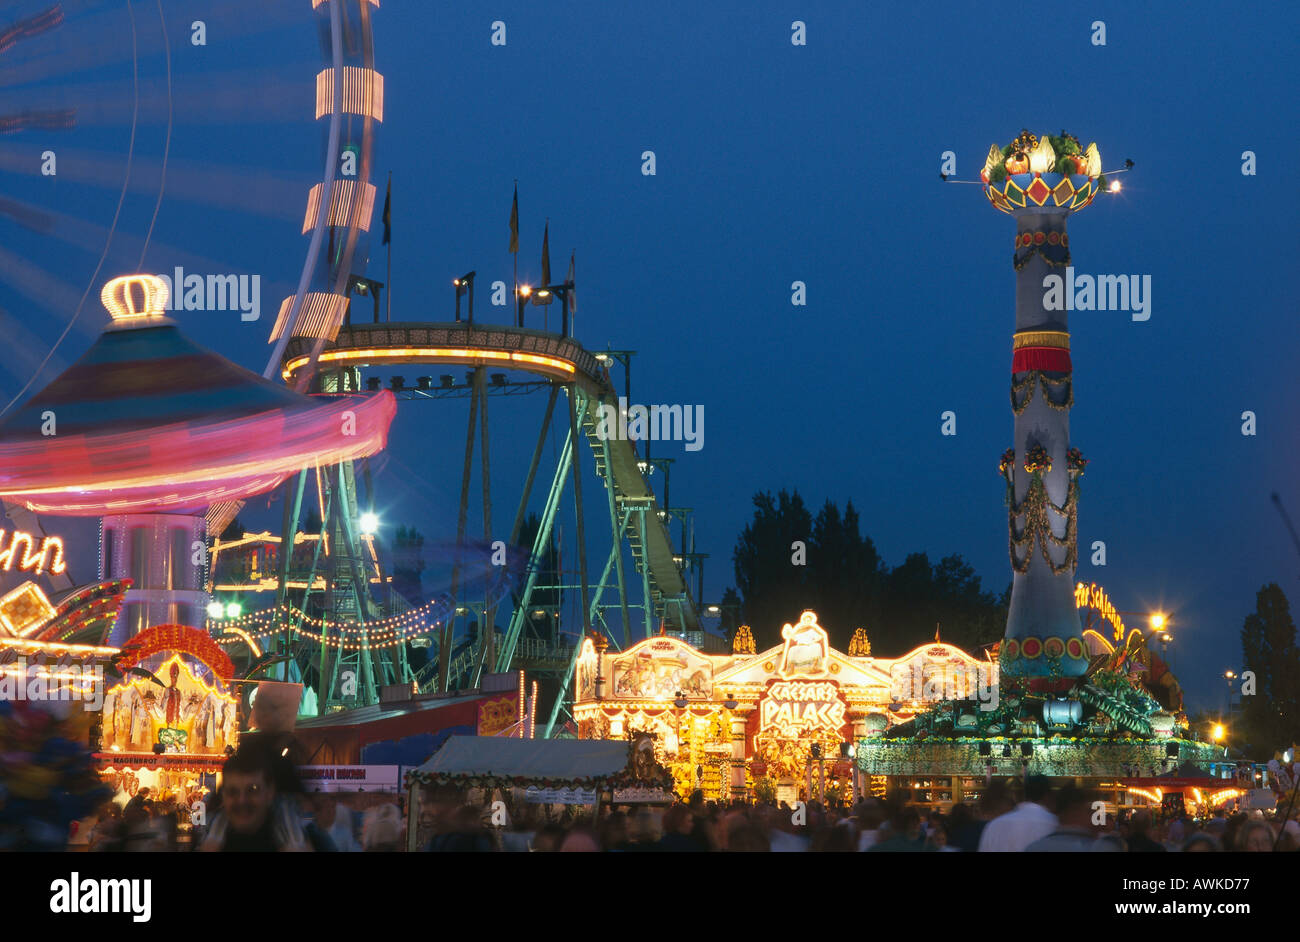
[{"x": 775, "y": 163}]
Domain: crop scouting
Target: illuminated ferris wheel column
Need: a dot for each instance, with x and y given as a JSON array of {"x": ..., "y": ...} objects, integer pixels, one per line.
[{"x": 340, "y": 209}]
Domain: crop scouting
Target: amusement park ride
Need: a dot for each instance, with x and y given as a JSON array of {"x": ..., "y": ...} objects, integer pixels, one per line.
[
  {"x": 322, "y": 345},
  {"x": 331, "y": 617},
  {"x": 165, "y": 462}
]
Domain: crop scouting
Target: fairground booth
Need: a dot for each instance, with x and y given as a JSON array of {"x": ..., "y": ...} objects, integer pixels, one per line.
[
  {"x": 780, "y": 723},
  {"x": 550, "y": 774},
  {"x": 935, "y": 726}
]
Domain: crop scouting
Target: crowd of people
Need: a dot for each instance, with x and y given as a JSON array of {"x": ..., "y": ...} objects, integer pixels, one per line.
[
  {"x": 1043, "y": 820},
  {"x": 261, "y": 807}
]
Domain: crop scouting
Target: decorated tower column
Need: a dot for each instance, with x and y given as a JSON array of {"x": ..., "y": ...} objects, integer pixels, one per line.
[{"x": 1040, "y": 181}]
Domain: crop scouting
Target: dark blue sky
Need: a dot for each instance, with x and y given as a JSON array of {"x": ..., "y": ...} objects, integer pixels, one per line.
[{"x": 775, "y": 163}]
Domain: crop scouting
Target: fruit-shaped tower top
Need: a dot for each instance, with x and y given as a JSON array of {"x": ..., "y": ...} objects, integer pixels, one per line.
[{"x": 1051, "y": 170}]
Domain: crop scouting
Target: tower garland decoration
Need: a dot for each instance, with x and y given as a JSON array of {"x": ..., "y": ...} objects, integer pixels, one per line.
[
  {"x": 1037, "y": 530},
  {"x": 1032, "y": 381}
]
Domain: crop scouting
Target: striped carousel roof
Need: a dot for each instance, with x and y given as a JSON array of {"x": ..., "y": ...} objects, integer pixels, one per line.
[{"x": 149, "y": 420}]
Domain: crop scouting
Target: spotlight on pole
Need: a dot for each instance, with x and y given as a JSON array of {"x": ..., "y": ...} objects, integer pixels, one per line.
[{"x": 369, "y": 523}]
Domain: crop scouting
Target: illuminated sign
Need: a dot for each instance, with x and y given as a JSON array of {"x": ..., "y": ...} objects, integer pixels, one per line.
[
  {"x": 24, "y": 610},
  {"x": 792, "y": 709},
  {"x": 1091, "y": 595},
  {"x": 45, "y": 556},
  {"x": 806, "y": 647}
]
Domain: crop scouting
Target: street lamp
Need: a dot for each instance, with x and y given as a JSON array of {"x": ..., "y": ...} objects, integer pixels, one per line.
[
  {"x": 465, "y": 285},
  {"x": 1219, "y": 732},
  {"x": 544, "y": 295},
  {"x": 522, "y": 295}
]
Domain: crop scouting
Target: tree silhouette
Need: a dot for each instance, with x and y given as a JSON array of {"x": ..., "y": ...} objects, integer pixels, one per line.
[
  {"x": 849, "y": 586},
  {"x": 1268, "y": 646}
]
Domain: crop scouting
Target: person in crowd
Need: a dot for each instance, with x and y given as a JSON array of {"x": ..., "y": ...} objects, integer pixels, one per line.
[
  {"x": 107, "y": 834},
  {"x": 1026, "y": 823},
  {"x": 870, "y": 817},
  {"x": 937, "y": 837},
  {"x": 1254, "y": 837},
  {"x": 381, "y": 829},
  {"x": 1074, "y": 830},
  {"x": 905, "y": 834},
  {"x": 781, "y": 833},
  {"x": 334, "y": 819},
  {"x": 580, "y": 839},
  {"x": 1202, "y": 843},
  {"x": 680, "y": 831},
  {"x": 548, "y": 839},
  {"x": 252, "y": 817},
  {"x": 1139, "y": 837},
  {"x": 464, "y": 833}
]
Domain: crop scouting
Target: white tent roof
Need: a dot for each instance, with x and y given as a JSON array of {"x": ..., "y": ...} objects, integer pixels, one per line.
[{"x": 528, "y": 758}]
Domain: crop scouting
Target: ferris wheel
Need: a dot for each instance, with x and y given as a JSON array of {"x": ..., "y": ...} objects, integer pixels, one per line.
[{"x": 49, "y": 123}]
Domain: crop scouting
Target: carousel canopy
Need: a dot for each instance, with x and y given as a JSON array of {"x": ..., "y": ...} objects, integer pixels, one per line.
[
  {"x": 149, "y": 420},
  {"x": 528, "y": 758}
]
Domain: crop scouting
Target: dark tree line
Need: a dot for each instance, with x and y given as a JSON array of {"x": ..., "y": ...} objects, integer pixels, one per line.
[
  {"x": 839, "y": 574},
  {"x": 1270, "y": 716}
]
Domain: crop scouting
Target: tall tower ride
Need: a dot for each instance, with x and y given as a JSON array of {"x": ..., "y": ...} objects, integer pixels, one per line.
[{"x": 1040, "y": 181}]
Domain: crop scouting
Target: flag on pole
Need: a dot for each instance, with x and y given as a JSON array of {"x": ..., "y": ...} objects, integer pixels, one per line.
[
  {"x": 573, "y": 291},
  {"x": 546, "y": 254},
  {"x": 388, "y": 206},
  {"x": 514, "y": 222}
]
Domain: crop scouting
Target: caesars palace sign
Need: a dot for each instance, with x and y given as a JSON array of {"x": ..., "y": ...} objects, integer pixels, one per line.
[{"x": 794, "y": 708}]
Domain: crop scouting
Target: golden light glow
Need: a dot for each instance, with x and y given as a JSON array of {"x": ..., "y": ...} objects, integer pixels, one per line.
[
  {"x": 133, "y": 298},
  {"x": 1219, "y": 732},
  {"x": 1091, "y": 595},
  {"x": 56, "y": 647},
  {"x": 321, "y": 315},
  {"x": 25, "y": 609},
  {"x": 252, "y": 645},
  {"x": 363, "y": 92},
  {"x": 1114, "y": 186},
  {"x": 1156, "y": 796},
  {"x": 424, "y": 354},
  {"x": 48, "y": 553},
  {"x": 201, "y": 718},
  {"x": 1157, "y": 621},
  {"x": 792, "y": 709}
]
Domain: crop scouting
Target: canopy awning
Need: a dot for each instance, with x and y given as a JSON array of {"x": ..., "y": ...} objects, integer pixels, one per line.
[{"x": 565, "y": 759}]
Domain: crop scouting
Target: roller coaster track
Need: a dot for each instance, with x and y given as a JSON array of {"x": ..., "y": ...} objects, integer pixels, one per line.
[{"x": 560, "y": 360}]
